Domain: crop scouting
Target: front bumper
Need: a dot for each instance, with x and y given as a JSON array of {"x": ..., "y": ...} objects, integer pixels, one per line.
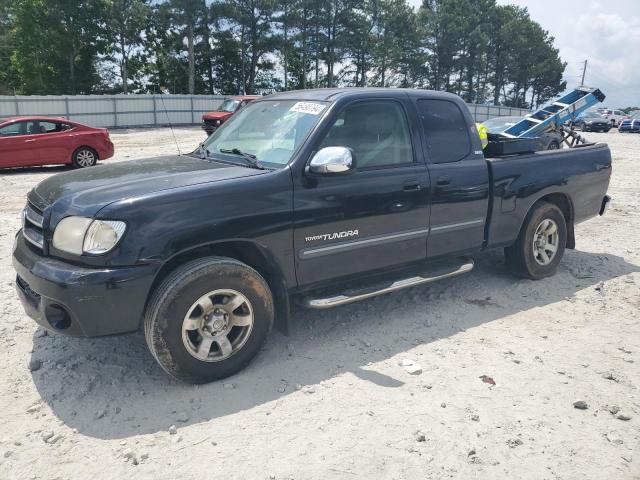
[
  {"x": 80, "y": 301},
  {"x": 596, "y": 126},
  {"x": 210, "y": 126}
]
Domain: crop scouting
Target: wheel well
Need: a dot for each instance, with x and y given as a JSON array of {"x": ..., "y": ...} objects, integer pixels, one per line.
[
  {"x": 245, "y": 252},
  {"x": 563, "y": 202}
]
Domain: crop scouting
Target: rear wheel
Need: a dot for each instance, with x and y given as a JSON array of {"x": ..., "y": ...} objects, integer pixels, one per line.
[
  {"x": 540, "y": 244},
  {"x": 84, "y": 157},
  {"x": 208, "y": 319}
]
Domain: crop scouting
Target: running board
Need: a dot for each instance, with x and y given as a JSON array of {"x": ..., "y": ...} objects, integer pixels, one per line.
[{"x": 427, "y": 275}]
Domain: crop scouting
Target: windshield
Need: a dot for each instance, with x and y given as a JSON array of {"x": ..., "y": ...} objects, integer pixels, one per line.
[
  {"x": 500, "y": 124},
  {"x": 269, "y": 130},
  {"x": 591, "y": 115},
  {"x": 228, "y": 105}
]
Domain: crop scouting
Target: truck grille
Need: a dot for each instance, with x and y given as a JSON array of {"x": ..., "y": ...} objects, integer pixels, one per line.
[{"x": 32, "y": 226}]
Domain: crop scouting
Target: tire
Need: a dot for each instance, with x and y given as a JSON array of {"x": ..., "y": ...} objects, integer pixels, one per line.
[
  {"x": 176, "y": 327},
  {"x": 522, "y": 257},
  {"x": 84, "y": 157},
  {"x": 606, "y": 130},
  {"x": 553, "y": 146}
]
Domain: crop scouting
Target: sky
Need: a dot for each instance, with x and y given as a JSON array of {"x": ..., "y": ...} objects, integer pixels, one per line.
[{"x": 606, "y": 33}]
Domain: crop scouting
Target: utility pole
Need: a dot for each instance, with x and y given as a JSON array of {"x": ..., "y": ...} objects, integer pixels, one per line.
[{"x": 584, "y": 71}]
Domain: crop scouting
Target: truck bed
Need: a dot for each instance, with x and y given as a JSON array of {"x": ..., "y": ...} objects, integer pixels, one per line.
[{"x": 580, "y": 175}]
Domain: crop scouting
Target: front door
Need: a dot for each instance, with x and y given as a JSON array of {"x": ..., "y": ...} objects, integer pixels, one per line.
[
  {"x": 17, "y": 144},
  {"x": 374, "y": 217}
]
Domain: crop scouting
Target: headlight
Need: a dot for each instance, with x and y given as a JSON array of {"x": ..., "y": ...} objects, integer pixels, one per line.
[{"x": 80, "y": 235}]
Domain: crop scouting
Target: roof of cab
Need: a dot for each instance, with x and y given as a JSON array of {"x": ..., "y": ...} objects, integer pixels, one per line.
[{"x": 331, "y": 94}]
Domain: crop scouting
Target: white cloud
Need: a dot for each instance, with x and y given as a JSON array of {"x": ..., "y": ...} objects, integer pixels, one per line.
[{"x": 607, "y": 34}]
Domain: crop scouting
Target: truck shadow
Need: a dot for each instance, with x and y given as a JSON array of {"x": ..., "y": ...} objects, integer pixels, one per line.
[{"x": 111, "y": 388}]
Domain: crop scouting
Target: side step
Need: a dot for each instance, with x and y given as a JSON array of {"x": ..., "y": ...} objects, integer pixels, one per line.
[{"x": 427, "y": 274}]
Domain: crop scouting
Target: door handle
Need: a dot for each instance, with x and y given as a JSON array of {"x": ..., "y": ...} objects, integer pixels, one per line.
[
  {"x": 443, "y": 181},
  {"x": 29, "y": 141},
  {"x": 412, "y": 186}
]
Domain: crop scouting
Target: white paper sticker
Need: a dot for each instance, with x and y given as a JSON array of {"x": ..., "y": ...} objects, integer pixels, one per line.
[{"x": 308, "y": 107}]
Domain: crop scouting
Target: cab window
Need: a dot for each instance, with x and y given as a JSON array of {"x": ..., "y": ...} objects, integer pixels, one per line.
[
  {"x": 445, "y": 129},
  {"x": 376, "y": 131}
]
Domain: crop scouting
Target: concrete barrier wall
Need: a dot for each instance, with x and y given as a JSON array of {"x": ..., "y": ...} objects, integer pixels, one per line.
[{"x": 148, "y": 110}]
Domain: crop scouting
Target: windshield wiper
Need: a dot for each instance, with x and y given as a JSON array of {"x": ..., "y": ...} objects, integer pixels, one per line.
[{"x": 252, "y": 159}]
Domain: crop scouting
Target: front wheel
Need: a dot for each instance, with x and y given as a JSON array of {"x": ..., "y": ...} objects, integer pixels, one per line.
[
  {"x": 540, "y": 244},
  {"x": 208, "y": 319}
]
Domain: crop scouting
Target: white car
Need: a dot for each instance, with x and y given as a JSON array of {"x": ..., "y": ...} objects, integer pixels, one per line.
[{"x": 614, "y": 116}]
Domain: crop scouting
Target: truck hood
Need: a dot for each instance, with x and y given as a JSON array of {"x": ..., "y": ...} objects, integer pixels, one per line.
[
  {"x": 216, "y": 115},
  {"x": 88, "y": 190}
]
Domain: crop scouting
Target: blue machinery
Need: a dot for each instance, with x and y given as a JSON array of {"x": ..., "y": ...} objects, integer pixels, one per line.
[{"x": 556, "y": 114}]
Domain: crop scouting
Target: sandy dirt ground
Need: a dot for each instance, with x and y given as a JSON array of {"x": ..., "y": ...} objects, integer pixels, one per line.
[{"x": 332, "y": 401}]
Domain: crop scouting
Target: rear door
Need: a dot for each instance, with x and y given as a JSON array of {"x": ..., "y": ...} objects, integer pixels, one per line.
[
  {"x": 459, "y": 178},
  {"x": 17, "y": 146},
  {"x": 375, "y": 217},
  {"x": 53, "y": 142}
]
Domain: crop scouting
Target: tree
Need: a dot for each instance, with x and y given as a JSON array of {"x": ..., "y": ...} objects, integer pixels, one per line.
[
  {"x": 56, "y": 45},
  {"x": 251, "y": 24},
  {"x": 185, "y": 16},
  {"x": 8, "y": 80},
  {"x": 125, "y": 22},
  {"x": 474, "y": 48}
]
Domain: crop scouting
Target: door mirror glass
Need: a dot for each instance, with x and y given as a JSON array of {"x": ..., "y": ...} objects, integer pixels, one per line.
[{"x": 332, "y": 161}]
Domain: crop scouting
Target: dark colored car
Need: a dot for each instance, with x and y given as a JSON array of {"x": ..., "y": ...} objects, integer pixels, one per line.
[
  {"x": 630, "y": 124},
  {"x": 592, "y": 122},
  {"x": 230, "y": 105},
  {"x": 34, "y": 141},
  {"x": 324, "y": 197},
  {"x": 549, "y": 140}
]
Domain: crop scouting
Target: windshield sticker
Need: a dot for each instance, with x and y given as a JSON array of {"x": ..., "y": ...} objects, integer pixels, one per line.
[{"x": 307, "y": 107}]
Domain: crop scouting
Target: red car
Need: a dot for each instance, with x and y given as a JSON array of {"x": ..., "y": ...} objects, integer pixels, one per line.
[
  {"x": 33, "y": 141},
  {"x": 230, "y": 105}
]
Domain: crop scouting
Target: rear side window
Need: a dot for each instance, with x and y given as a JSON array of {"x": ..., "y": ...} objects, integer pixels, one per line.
[
  {"x": 445, "y": 130},
  {"x": 49, "y": 127}
]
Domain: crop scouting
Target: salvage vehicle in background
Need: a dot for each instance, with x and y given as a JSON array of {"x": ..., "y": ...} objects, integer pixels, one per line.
[
  {"x": 230, "y": 105},
  {"x": 548, "y": 140},
  {"x": 325, "y": 196},
  {"x": 614, "y": 116},
  {"x": 34, "y": 141},
  {"x": 630, "y": 124},
  {"x": 591, "y": 121}
]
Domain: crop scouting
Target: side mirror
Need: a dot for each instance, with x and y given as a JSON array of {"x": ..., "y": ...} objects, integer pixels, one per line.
[{"x": 331, "y": 161}]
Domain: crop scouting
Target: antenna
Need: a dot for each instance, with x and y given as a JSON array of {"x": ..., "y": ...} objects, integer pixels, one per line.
[{"x": 169, "y": 120}]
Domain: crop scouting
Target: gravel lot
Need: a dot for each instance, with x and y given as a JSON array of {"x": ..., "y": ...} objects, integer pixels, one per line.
[{"x": 331, "y": 401}]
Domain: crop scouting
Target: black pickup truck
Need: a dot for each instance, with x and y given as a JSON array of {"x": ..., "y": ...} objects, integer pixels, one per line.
[{"x": 325, "y": 196}]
